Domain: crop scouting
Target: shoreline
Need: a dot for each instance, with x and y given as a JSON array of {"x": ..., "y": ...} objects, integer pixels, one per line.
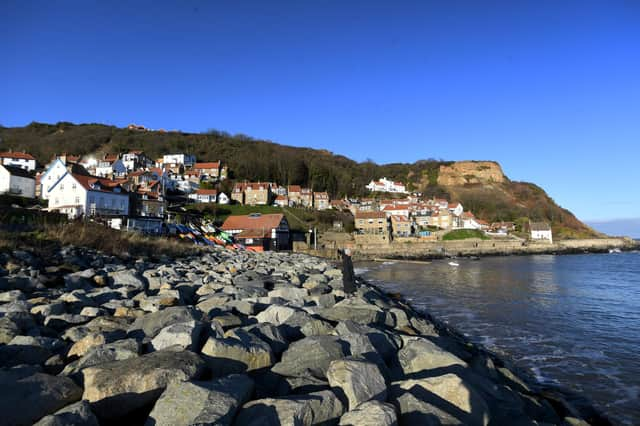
[
  {"x": 559, "y": 396},
  {"x": 270, "y": 336}
]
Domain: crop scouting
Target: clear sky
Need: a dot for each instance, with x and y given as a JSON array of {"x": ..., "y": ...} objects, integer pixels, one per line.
[{"x": 550, "y": 89}]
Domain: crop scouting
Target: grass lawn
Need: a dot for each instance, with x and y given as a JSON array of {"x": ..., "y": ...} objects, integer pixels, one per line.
[{"x": 463, "y": 234}]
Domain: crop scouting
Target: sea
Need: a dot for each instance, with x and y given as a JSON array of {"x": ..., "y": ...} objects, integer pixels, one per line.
[{"x": 571, "y": 320}]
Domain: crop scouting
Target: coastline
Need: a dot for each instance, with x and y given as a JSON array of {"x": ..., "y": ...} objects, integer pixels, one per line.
[{"x": 269, "y": 335}]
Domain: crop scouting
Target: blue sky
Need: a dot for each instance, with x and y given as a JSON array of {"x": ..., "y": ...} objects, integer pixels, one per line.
[{"x": 549, "y": 89}]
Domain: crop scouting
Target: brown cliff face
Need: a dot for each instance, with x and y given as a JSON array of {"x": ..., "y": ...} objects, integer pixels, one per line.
[{"x": 470, "y": 172}]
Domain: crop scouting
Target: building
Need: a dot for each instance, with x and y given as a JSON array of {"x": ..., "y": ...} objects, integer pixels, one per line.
[
  {"x": 210, "y": 170},
  {"x": 148, "y": 204},
  {"x": 237, "y": 193},
  {"x": 400, "y": 226},
  {"x": 321, "y": 201},
  {"x": 204, "y": 196},
  {"x": 293, "y": 192},
  {"x": 56, "y": 170},
  {"x": 186, "y": 160},
  {"x": 111, "y": 166},
  {"x": 386, "y": 185},
  {"x": 259, "y": 231},
  {"x": 17, "y": 181},
  {"x": 306, "y": 197},
  {"x": 281, "y": 201},
  {"x": 399, "y": 210},
  {"x": 134, "y": 160},
  {"x": 541, "y": 231},
  {"x": 79, "y": 195},
  {"x": 18, "y": 159},
  {"x": 371, "y": 222},
  {"x": 257, "y": 193}
]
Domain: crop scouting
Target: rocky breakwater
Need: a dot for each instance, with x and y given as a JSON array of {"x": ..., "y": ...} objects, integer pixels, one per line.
[{"x": 236, "y": 338}]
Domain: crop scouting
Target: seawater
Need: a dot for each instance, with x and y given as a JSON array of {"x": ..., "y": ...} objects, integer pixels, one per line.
[{"x": 572, "y": 320}]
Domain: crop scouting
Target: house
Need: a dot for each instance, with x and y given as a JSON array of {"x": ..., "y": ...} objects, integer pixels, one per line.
[
  {"x": 210, "y": 170},
  {"x": 259, "y": 231},
  {"x": 237, "y": 193},
  {"x": 400, "y": 210},
  {"x": 111, "y": 166},
  {"x": 18, "y": 159},
  {"x": 306, "y": 197},
  {"x": 340, "y": 205},
  {"x": 455, "y": 209},
  {"x": 51, "y": 176},
  {"x": 281, "y": 201},
  {"x": 257, "y": 193},
  {"x": 386, "y": 185},
  {"x": 400, "y": 226},
  {"x": 321, "y": 201},
  {"x": 371, "y": 222},
  {"x": 79, "y": 195},
  {"x": 204, "y": 196},
  {"x": 17, "y": 181},
  {"x": 503, "y": 227},
  {"x": 223, "y": 198},
  {"x": 148, "y": 204},
  {"x": 293, "y": 192},
  {"x": 134, "y": 160},
  {"x": 541, "y": 231},
  {"x": 186, "y": 160}
]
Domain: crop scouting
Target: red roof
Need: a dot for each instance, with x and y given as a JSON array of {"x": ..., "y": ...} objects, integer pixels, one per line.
[
  {"x": 281, "y": 198},
  {"x": 106, "y": 185},
  {"x": 255, "y": 221},
  {"x": 294, "y": 188},
  {"x": 322, "y": 195},
  {"x": 111, "y": 157},
  {"x": 399, "y": 218},
  {"x": 370, "y": 215},
  {"x": 17, "y": 155},
  {"x": 207, "y": 192},
  {"x": 211, "y": 165}
]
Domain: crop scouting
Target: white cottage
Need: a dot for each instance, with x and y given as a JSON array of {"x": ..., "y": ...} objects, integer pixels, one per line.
[
  {"x": 17, "y": 181},
  {"x": 111, "y": 166},
  {"x": 78, "y": 195},
  {"x": 541, "y": 231},
  {"x": 54, "y": 173},
  {"x": 18, "y": 159}
]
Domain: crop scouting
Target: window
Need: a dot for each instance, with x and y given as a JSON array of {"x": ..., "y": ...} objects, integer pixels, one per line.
[
  {"x": 73, "y": 185},
  {"x": 62, "y": 186},
  {"x": 77, "y": 200}
]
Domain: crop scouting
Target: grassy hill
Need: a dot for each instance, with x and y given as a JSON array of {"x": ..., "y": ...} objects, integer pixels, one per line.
[{"x": 477, "y": 185}]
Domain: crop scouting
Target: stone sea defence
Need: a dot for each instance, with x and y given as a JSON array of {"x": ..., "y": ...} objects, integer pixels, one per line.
[{"x": 238, "y": 338}]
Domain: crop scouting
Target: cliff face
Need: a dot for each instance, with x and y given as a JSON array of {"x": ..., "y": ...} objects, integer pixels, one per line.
[{"x": 470, "y": 172}]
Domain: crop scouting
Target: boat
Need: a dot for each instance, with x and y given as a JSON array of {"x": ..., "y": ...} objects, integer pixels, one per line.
[
  {"x": 615, "y": 250},
  {"x": 454, "y": 264}
]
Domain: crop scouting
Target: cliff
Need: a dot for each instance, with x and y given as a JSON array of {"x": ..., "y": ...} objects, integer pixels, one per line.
[{"x": 470, "y": 172}]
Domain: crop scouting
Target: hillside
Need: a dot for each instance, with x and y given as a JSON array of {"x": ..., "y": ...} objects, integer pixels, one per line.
[{"x": 480, "y": 186}]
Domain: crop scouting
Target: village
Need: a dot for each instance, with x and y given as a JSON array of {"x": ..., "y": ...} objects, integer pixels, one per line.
[{"x": 131, "y": 191}]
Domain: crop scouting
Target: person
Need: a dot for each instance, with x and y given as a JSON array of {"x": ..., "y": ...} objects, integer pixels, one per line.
[{"x": 348, "y": 276}]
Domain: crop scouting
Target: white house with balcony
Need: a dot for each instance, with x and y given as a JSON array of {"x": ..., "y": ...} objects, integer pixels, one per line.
[
  {"x": 386, "y": 185},
  {"x": 17, "y": 181},
  {"x": 18, "y": 159},
  {"x": 186, "y": 160},
  {"x": 78, "y": 195}
]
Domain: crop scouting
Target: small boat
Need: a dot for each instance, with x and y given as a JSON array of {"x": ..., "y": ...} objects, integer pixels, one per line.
[
  {"x": 615, "y": 250},
  {"x": 454, "y": 264}
]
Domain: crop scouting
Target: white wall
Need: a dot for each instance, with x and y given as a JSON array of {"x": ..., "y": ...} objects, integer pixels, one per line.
[
  {"x": 51, "y": 176},
  {"x": 68, "y": 192},
  {"x": 23, "y": 163},
  {"x": 17, "y": 185}
]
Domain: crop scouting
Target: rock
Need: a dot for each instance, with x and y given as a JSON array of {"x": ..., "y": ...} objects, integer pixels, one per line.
[
  {"x": 290, "y": 293},
  {"x": 64, "y": 321},
  {"x": 310, "y": 355},
  {"x": 272, "y": 411},
  {"x": 244, "y": 352},
  {"x": 268, "y": 333},
  {"x": 116, "y": 351},
  {"x": 183, "y": 334},
  {"x": 25, "y": 399},
  {"x": 8, "y": 330},
  {"x": 188, "y": 403},
  {"x": 445, "y": 399},
  {"x": 127, "y": 278},
  {"x": 382, "y": 342},
  {"x": 357, "y": 381},
  {"x": 275, "y": 314},
  {"x": 82, "y": 346},
  {"x": 323, "y": 407},
  {"x": 355, "y": 309},
  {"x": 117, "y": 388},
  {"x": 77, "y": 414},
  {"x": 23, "y": 350},
  {"x": 420, "y": 354},
  {"x": 370, "y": 413},
  {"x": 11, "y": 296},
  {"x": 89, "y": 311},
  {"x": 151, "y": 324}
]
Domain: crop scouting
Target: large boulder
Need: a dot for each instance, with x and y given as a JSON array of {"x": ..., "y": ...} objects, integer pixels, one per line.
[
  {"x": 183, "y": 334},
  {"x": 310, "y": 355},
  {"x": 370, "y": 413},
  {"x": 445, "y": 400},
  {"x": 118, "y": 388},
  {"x": 357, "y": 381},
  {"x": 273, "y": 411},
  {"x": 77, "y": 414},
  {"x": 26, "y": 398},
  {"x": 151, "y": 324},
  {"x": 355, "y": 309},
  {"x": 127, "y": 278},
  {"x": 238, "y": 354},
  {"x": 214, "y": 402},
  {"x": 420, "y": 355},
  {"x": 116, "y": 351}
]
